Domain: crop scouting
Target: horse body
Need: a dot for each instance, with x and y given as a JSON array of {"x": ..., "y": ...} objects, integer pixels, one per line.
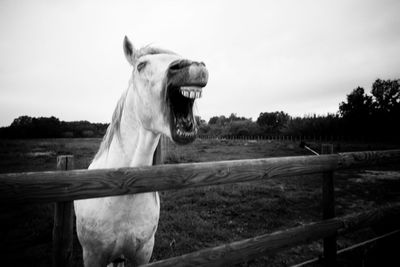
[
  {"x": 111, "y": 227},
  {"x": 158, "y": 100}
]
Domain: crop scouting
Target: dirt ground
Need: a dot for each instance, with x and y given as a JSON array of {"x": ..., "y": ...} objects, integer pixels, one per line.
[{"x": 198, "y": 218}]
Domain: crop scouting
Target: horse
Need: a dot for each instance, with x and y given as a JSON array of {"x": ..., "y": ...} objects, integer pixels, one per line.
[{"x": 159, "y": 100}]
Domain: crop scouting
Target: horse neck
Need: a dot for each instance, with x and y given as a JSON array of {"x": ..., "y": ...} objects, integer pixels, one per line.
[{"x": 132, "y": 145}]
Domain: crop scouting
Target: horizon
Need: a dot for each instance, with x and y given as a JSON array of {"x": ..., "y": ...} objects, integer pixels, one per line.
[
  {"x": 207, "y": 120},
  {"x": 65, "y": 59}
]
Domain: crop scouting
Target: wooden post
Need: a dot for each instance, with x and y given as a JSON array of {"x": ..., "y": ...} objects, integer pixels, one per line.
[
  {"x": 63, "y": 222},
  {"x": 328, "y": 206}
]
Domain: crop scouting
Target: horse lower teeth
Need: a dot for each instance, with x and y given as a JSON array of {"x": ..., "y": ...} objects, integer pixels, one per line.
[{"x": 185, "y": 134}]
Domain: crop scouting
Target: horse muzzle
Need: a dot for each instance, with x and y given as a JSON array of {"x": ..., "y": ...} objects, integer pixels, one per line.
[{"x": 187, "y": 73}]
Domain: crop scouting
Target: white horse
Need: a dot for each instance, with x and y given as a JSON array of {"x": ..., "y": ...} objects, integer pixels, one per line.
[{"x": 159, "y": 100}]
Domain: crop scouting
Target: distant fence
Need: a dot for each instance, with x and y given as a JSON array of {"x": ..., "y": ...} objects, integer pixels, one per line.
[
  {"x": 66, "y": 185},
  {"x": 296, "y": 138},
  {"x": 272, "y": 137}
]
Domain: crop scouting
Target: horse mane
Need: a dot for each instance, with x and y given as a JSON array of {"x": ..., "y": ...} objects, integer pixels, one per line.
[
  {"x": 114, "y": 127},
  {"x": 150, "y": 50}
]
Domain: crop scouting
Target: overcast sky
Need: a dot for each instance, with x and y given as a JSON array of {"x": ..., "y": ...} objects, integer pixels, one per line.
[{"x": 64, "y": 58}]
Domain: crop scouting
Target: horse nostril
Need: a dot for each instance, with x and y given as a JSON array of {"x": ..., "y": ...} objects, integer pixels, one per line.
[
  {"x": 180, "y": 64},
  {"x": 174, "y": 66}
]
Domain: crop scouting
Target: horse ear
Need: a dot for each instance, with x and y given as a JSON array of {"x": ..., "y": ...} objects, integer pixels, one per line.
[{"x": 129, "y": 51}]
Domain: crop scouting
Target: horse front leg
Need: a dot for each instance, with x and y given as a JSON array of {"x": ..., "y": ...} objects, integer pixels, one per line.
[{"x": 142, "y": 255}]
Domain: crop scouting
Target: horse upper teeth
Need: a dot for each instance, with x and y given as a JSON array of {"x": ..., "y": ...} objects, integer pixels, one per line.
[{"x": 192, "y": 92}]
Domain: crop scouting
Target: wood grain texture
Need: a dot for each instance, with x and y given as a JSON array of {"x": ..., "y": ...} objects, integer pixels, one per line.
[
  {"x": 79, "y": 184},
  {"x": 63, "y": 223},
  {"x": 42, "y": 187},
  {"x": 367, "y": 158},
  {"x": 239, "y": 251}
]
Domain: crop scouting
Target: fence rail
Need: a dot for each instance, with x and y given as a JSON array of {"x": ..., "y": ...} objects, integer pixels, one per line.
[
  {"x": 64, "y": 186},
  {"x": 55, "y": 186},
  {"x": 247, "y": 249}
]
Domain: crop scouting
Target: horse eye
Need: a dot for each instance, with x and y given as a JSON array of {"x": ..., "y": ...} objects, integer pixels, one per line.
[{"x": 141, "y": 65}]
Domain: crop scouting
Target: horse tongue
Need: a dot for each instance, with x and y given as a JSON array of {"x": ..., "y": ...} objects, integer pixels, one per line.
[
  {"x": 180, "y": 121},
  {"x": 186, "y": 122}
]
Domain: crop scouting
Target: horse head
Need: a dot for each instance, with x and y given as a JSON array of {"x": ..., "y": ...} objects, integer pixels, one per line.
[{"x": 165, "y": 87}]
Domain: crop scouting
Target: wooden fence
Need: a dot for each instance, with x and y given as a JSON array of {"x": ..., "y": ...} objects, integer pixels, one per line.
[{"x": 66, "y": 185}]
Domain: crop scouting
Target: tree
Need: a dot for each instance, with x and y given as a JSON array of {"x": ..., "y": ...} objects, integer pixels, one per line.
[
  {"x": 21, "y": 121},
  {"x": 221, "y": 120},
  {"x": 358, "y": 105},
  {"x": 234, "y": 117},
  {"x": 356, "y": 113},
  {"x": 242, "y": 128},
  {"x": 375, "y": 115},
  {"x": 273, "y": 122},
  {"x": 386, "y": 95},
  {"x": 213, "y": 120},
  {"x": 386, "y": 108}
]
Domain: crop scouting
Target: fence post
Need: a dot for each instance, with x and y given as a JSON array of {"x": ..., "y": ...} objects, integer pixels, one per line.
[
  {"x": 63, "y": 222},
  {"x": 328, "y": 206}
]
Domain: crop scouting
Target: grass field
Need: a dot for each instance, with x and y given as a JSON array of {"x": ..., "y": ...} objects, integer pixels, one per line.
[{"x": 193, "y": 219}]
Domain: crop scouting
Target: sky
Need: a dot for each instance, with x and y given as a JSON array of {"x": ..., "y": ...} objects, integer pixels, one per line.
[{"x": 65, "y": 58}]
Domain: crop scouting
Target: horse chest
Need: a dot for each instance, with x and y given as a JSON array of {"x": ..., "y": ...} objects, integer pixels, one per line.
[{"x": 109, "y": 219}]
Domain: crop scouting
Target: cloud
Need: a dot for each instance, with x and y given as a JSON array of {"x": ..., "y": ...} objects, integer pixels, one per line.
[{"x": 65, "y": 58}]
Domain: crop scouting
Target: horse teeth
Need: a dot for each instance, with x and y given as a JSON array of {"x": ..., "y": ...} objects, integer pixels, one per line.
[
  {"x": 192, "y": 92},
  {"x": 183, "y": 133}
]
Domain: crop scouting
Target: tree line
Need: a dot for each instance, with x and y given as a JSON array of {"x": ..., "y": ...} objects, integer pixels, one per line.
[
  {"x": 51, "y": 127},
  {"x": 373, "y": 116}
]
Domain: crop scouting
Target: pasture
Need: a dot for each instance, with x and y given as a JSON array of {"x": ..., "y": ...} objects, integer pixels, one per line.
[{"x": 197, "y": 218}]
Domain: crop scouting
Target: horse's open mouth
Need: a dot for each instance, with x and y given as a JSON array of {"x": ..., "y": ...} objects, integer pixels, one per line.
[
  {"x": 183, "y": 124},
  {"x": 185, "y": 80}
]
